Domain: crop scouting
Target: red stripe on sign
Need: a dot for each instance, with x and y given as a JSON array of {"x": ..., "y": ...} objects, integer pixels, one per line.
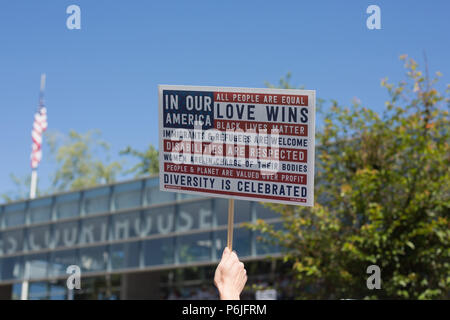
[
  {"x": 231, "y": 193},
  {"x": 234, "y": 173},
  {"x": 284, "y": 129},
  {"x": 236, "y": 150},
  {"x": 261, "y": 98}
]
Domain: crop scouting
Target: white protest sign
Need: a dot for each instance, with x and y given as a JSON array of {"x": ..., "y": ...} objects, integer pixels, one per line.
[{"x": 240, "y": 143}]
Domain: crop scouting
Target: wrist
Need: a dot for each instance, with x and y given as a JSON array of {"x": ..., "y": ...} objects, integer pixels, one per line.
[{"x": 225, "y": 295}]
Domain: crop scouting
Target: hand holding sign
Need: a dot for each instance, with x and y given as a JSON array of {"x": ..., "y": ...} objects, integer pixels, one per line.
[{"x": 230, "y": 277}]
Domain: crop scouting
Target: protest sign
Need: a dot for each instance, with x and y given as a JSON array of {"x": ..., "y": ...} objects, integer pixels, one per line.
[{"x": 239, "y": 143}]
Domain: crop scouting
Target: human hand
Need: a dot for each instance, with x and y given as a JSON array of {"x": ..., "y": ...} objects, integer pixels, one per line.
[{"x": 230, "y": 276}]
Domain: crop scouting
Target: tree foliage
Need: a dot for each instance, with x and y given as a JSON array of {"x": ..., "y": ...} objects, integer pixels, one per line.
[
  {"x": 76, "y": 161},
  {"x": 382, "y": 196},
  {"x": 22, "y": 188},
  {"x": 148, "y": 161}
]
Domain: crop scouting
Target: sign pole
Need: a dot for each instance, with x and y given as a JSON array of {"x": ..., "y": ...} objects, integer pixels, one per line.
[{"x": 230, "y": 224}]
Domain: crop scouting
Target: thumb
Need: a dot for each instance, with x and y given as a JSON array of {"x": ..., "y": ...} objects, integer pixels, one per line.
[{"x": 226, "y": 252}]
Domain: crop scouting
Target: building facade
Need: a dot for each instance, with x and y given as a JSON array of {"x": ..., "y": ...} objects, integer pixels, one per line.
[{"x": 130, "y": 240}]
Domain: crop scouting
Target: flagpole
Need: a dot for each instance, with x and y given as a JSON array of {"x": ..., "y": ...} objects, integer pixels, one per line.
[
  {"x": 33, "y": 184},
  {"x": 26, "y": 275},
  {"x": 33, "y": 188}
]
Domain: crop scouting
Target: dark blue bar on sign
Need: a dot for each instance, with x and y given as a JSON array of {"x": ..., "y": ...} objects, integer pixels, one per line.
[{"x": 182, "y": 108}]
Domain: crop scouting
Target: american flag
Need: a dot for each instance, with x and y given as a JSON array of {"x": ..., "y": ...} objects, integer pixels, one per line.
[{"x": 39, "y": 126}]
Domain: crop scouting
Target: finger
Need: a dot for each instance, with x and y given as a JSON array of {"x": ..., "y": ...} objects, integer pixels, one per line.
[
  {"x": 234, "y": 256},
  {"x": 226, "y": 252},
  {"x": 244, "y": 276},
  {"x": 230, "y": 259},
  {"x": 233, "y": 260},
  {"x": 225, "y": 256},
  {"x": 236, "y": 267}
]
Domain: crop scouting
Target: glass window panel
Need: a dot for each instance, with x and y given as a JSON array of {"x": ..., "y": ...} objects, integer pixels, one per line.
[
  {"x": 39, "y": 238},
  {"x": 14, "y": 214},
  {"x": 58, "y": 290},
  {"x": 38, "y": 291},
  {"x": 241, "y": 242},
  {"x": 263, "y": 247},
  {"x": 40, "y": 210},
  {"x": 68, "y": 205},
  {"x": 194, "y": 247},
  {"x": 60, "y": 260},
  {"x": 97, "y": 200},
  {"x": 66, "y": 234},
  {"x": 242, "y": 210},
  {"x": 263, "y": 212},
  {"x": 159, "y": 251},
  {"x": 128, "y": 195},
  {"x": 184, "y": 196},
  {"x": 36, "y": 265},
  {"x": 1, "y": 245},
  {"x": 11, "y": 268},
  {"x": 94, "y": 230},
  {"x": 93, "y": 259},
  {"x": 154, "y": 195},
  {"x": 12, "y": 241},
  {"x": 16, "y": 290},
  {"x": 160, "y": 220},
  {"x": 126, "y": 225},
  {"x": 194, "y": 215},
  {"x": 125, "y": 255}
]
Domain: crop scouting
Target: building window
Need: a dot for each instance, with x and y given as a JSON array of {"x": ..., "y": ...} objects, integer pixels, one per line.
[
  {"x": 159, "y": 220},
  {"x": 263, "y": 212},
  {"x": 241, "y": 242},
  {"x": 127, "y": 195},
  {"x": 65, "y": 234},
  {"x": 39, "y": 238},
  {"x": 194, "y": 215},
  {"x": 58, "y": 290},
  {"x": 154, "y": 195},
  {"x": 36, "y": 266},
  {"x": 93, "y": 259},
  {"x": 38, "y": 291},
  {"x": 97, "y": 200},
  {"x": 194, "y": 247},
  {"x": 126, "y": 225},
  {"x": 60, "y": 260},
  {"x": 93, "y": 230},
  {"x": 11, "y": 268},
  {"x": 68, "y": 205},
  {"x": 14, "y": 214},
  {"x": 12, "y": 241},
  {"x": 158, "y": 251},
  {"x": 125, "y": 255},
  {"x": 40, "y": 210},
  {"x": 242, "y": 210}
]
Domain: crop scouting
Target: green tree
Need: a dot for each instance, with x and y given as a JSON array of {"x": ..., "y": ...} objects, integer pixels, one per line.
[
  {"x": 77, "y": 165},
  {"x": 22, "y": 188},
  {"x": 382, "y": 196},
  {"x": 148, "y": 161}
]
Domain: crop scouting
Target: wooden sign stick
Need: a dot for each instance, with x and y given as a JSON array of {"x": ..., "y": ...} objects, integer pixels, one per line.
[{"x": 230, "y": 224}]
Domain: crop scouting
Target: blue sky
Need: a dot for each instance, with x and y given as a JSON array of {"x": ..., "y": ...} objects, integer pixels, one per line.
[{"x": 105, "y": 75}]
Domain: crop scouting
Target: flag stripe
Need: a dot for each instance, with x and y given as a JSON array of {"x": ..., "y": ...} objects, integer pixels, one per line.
[{"x": 39, "y": 126}]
